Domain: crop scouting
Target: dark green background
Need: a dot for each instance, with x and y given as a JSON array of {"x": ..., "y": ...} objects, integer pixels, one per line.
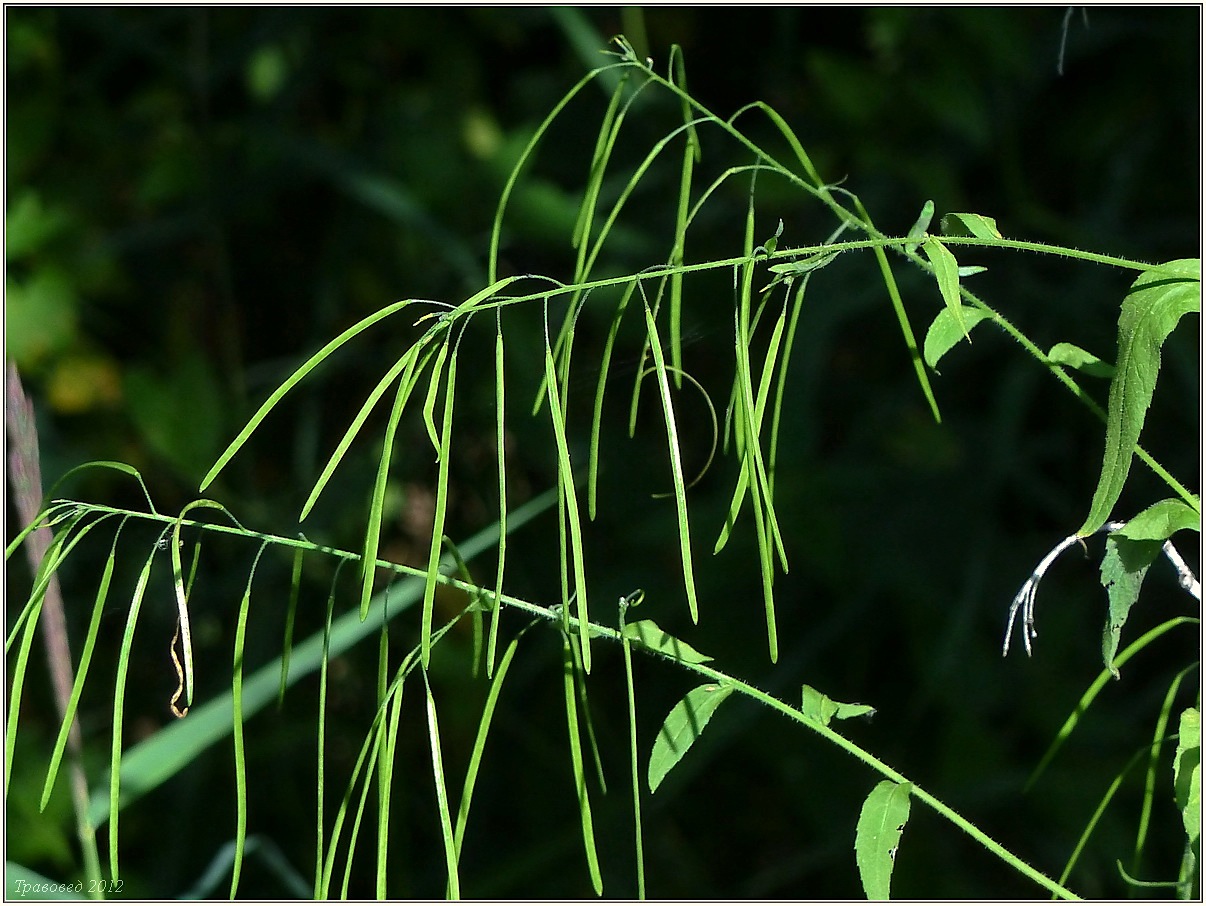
[{"x": 199, "y": 199}]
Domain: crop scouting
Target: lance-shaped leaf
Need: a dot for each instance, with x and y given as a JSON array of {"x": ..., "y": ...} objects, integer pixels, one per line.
[
  {"x": 1150, "y": 311},
  {"x": 975, "y": 225},
  {"x": 884, "y": 815},
  {"x": 1161, "y": 521},
  {"x": 820, "y": 707},
  {"x": 946, "y": 272},
  {"x": 947, "y": 329},
  {"x": 683, "y": 725},
  {"x": 1073, "y": 356},
  {"x": 653, "y": 637},
  {"x": 917, "y": 231}
]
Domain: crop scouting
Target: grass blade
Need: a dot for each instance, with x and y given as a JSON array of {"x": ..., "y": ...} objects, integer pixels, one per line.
[
  {"x": 161, "y": 756},
  {"x": 119, "y": 701},
  {"x": 372, "y": 533},
  {"x": 240, "y": 756},
  {"x": 437, "y": 773},
  {"x": 571, "y": 717},
  {"x": 676, "y": 467},
  {"x": 287, "y": 645},
  {"x": 81, "y": 672},
  {"x": 565, "y": 474},
  {"x": 483, "y": 731},
  {"x": 441, "y": 502},
  {"x": 631, "y": 601},
  {"x": 500, "y": 441},
  {"x": 313, "y": 362}
]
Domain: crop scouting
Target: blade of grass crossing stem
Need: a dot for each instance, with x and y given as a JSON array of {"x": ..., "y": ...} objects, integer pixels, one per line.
[
  {"x": 571, "y": 717},
  {"x": 240, "y": 755},
  {"x": 386, "y": 786},
  {"x": 676, "y": 466},
  {"x": 691, "y": 154},
  {"x": 405, "y": 363},
  {"x": 310, "y": 364},
  {"x": 437, "y": 773},
  {"x": 372, "y": 535},
  {"x": 626, "y": 645},
  {"x": 566, "y": 481},
  {"x": 441, "y": 508},
  {"x": 902, "y": 317},
  {"x": 81, "y": 672},
  {"x": 119, "y": 701},
  {"x": 290, "y": 614},
  {"x": 483, "y": 731}
]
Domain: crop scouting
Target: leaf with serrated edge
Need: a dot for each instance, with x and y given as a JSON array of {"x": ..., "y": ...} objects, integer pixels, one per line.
[
  {"x": 880, "y": 823},
  {"x": 1122, "y": 570},
  {"x": 683, "y": 725},
  {"x": 652, "y": 636},
  {"x": 1150, "y": 311}
]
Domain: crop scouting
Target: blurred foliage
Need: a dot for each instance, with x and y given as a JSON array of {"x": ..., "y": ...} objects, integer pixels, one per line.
[{"x": 199, "y": 198}]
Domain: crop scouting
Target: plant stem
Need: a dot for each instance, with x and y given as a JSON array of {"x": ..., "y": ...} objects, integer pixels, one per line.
[{"x": 25, "y": 475}]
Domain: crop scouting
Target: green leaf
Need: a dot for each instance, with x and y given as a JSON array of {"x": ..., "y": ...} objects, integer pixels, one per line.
[
  {"x": 804, "y": 265},
  {"x": 683, "y": 725},
  {"x": 1187, "y": 774},
  {"x": 1122, "y": 570},
  {"x": 917, "y": 231},
  {"x": 884, "y": 815},
  {"x": 1161, "y": 521},
  {"x": 653, "y": 637},
  {"x": 947, "y": 329},
  {"x": 975, "y": 225},
  {"x": 1074, "y": 357},
  {"x": 819, "y": 706},
  {"x": 1152, "y": 308},
  {"x": 946, "y": 271}
]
